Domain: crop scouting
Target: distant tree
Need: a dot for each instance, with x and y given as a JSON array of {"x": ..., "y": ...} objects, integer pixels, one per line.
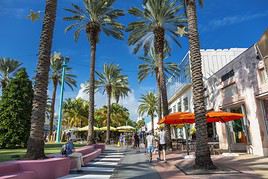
[
  {"x": 148, "y": 106},
  {"x": 15, "y": 111},
  {"x": 7, "y": 68},
  {"x": 140, "y": 124}
]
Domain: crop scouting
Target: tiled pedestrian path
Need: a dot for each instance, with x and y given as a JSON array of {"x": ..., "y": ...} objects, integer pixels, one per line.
[{"x": 100, "y": 168}]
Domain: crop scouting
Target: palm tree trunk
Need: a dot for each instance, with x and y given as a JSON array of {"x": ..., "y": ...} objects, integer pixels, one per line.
[
  {"x": 202, "y": 153},
  {"x": 35, "y": 147},
  {"x": 108, "y": 116},
  {"x": 152, "y": 121},
  {"x": 159, "y": 34},
  {"x": 159, "y": 100},
  {"x": 93, "y": 33},
  {"x": 55, "y": 84}
]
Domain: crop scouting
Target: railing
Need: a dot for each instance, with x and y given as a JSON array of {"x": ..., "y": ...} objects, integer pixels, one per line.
[{"x": 175, "y": 84}]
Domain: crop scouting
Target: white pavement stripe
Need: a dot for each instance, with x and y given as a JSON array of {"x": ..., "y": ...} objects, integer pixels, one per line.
[
  {"x": 107, "y": 159},
  {"x": 87, "y": 177},
  {"x": 111, "y": 156},
  {"x": 112, "y": 153},
  {"x": 104, "y": 163},
  {"x": 97, "y": 169}
]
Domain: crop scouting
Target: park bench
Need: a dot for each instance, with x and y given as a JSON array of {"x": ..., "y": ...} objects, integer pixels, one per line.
[{"x": 50, "y": 168}]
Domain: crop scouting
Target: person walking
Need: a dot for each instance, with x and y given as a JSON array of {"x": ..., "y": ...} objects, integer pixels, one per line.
[
  {"x": 162, "y": 144},
  {"x": 149, "y": 146}
]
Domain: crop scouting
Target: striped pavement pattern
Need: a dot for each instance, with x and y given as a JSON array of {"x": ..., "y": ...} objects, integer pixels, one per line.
[{"x": 100, "y": 168}]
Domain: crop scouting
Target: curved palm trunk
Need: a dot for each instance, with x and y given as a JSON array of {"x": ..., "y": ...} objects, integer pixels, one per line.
[
  {"x": 107, "y": 141},
  {"x": 202, "y": 153},
  {"x": 35, "y": 147},
  {"x": 51, "y": 123},
  {"x": 159, "y": 34},
  {"x": 93, "y": 34}
]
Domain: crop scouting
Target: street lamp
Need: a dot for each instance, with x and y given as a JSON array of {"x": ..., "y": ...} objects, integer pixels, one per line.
[{"x": 58, "y": 137}]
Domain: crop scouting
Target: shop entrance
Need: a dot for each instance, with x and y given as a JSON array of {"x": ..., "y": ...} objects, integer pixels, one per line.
[{"x": 238, "y": 130}]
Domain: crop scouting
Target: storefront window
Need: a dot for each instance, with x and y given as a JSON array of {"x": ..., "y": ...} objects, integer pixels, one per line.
[
  {"x": 230, "y": 91},
  {"x": 265, "y": 110},
  {"x": 263, "y": 76},
  {"x": 174, "y": 108},
  {"x": 238, "y": 128}
]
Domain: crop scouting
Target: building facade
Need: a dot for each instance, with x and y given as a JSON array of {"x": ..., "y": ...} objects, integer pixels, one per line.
[
  {"x": 179, "y": 89},
  {"x": 242, "y": 86}
]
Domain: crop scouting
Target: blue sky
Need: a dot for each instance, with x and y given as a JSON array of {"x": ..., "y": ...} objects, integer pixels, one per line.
[{"x": 222, "y": 24}]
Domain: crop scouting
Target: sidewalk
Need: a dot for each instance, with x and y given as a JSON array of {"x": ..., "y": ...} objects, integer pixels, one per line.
[
  {"x": 135, "y": 165},
  {"x": 244, "y": 166}
]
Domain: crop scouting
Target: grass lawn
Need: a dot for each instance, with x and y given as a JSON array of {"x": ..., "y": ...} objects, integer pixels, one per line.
[{"x": 14, "y": 154}]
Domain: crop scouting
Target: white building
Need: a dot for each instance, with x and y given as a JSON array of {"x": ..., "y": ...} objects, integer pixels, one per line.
[{"x": 179, "y": 89}]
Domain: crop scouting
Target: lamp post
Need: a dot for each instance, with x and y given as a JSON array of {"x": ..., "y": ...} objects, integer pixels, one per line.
[{"x": 58, "y": 137}]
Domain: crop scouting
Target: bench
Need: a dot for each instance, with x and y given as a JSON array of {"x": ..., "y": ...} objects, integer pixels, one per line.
[
  {"x": 35, "y": 169},
  {"x": 88, "y": 153}
]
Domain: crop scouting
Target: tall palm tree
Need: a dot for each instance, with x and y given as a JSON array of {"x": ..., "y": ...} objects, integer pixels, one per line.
[
  {"x": 148, "y": 105},
  {"x": 158, "y": 21},
  {"x": 8, "y": 67},
  {"x": 35, "y": 147},
  {"x": 149, "y": 67},
  {"x": 56, "y": 64},
  {"x": 96, "y": 16},
  {"x": 109, "y": 81},
  {"x": 203, "y": 159}
]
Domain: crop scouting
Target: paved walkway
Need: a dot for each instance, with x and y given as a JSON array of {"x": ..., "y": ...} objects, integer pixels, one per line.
[
  {"x": 135, "y": 165},
  {"x": 244, "y": 166},
  {"x": 100, "y": 168}
]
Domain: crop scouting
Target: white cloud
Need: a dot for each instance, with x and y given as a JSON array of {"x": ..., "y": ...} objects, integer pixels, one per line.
[
  {"x": 231, "y": 20},
  {"x": 130, "y": 102}
]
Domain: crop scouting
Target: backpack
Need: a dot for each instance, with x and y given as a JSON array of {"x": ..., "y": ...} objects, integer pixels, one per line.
[{"x": 64, "y": 150}]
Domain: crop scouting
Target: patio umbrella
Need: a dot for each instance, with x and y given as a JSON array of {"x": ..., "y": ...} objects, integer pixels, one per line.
[
  {"x": 105, "y": 128},
  {"x": 125, "y": 128},
  {"x": 178, "y": 118},
  {"x": 212, "y": 116},
  {"x": 85, "y": 128}
]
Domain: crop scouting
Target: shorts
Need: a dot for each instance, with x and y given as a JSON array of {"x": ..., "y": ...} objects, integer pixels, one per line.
[
  {"x": 150, "y": 149},
  {"x": 162, "y": 147}
]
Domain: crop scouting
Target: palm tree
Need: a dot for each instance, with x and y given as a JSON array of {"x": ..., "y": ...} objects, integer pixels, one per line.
[
  {"x": 149, "y": 67},
  {"x": 8, "y": 67},
  {"x": 35, "y": 147},
  {"x": 109, "y": 81},
  {"x": 203, "y": 159},
  {"x": 158, "y": 21},
  {"x": 148, "y": 105},
  {"x": 56, "y": 64},
  {"x": 75, "y": 112},
  {"x": 96, "y": 16}
]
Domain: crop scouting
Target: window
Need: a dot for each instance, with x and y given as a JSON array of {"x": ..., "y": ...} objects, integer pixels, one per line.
[
  {"x": 230, "y": 90},
  {"x": 263, "y": 76},
  {"x": 174, "y": 108},
  {"x": 179, "y": 106},
  {"x": 169, "y": 110},
  {"x": 185, "y": 104}
]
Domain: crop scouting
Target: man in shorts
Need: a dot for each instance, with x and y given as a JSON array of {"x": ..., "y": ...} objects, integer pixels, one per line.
[
  {"x": 149, "y": 144},
  {"x": 162, "y": 144}
]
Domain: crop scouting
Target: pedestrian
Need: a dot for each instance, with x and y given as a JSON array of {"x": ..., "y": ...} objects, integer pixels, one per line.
[
  {"x": 136, "y": 141},
  {"x": 149, "y": 145},
  {"x": 68, "y": 150},
  {"x": 162, "y": 144}
]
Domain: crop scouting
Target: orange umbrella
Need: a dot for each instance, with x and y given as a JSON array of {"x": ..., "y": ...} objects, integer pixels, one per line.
[
  {"x": 212, "y": 116},
  {"x": 176, "y": 118}
]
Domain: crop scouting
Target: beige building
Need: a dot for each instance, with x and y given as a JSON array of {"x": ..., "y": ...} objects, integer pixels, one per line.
[{"x": 242, "y": 86}]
